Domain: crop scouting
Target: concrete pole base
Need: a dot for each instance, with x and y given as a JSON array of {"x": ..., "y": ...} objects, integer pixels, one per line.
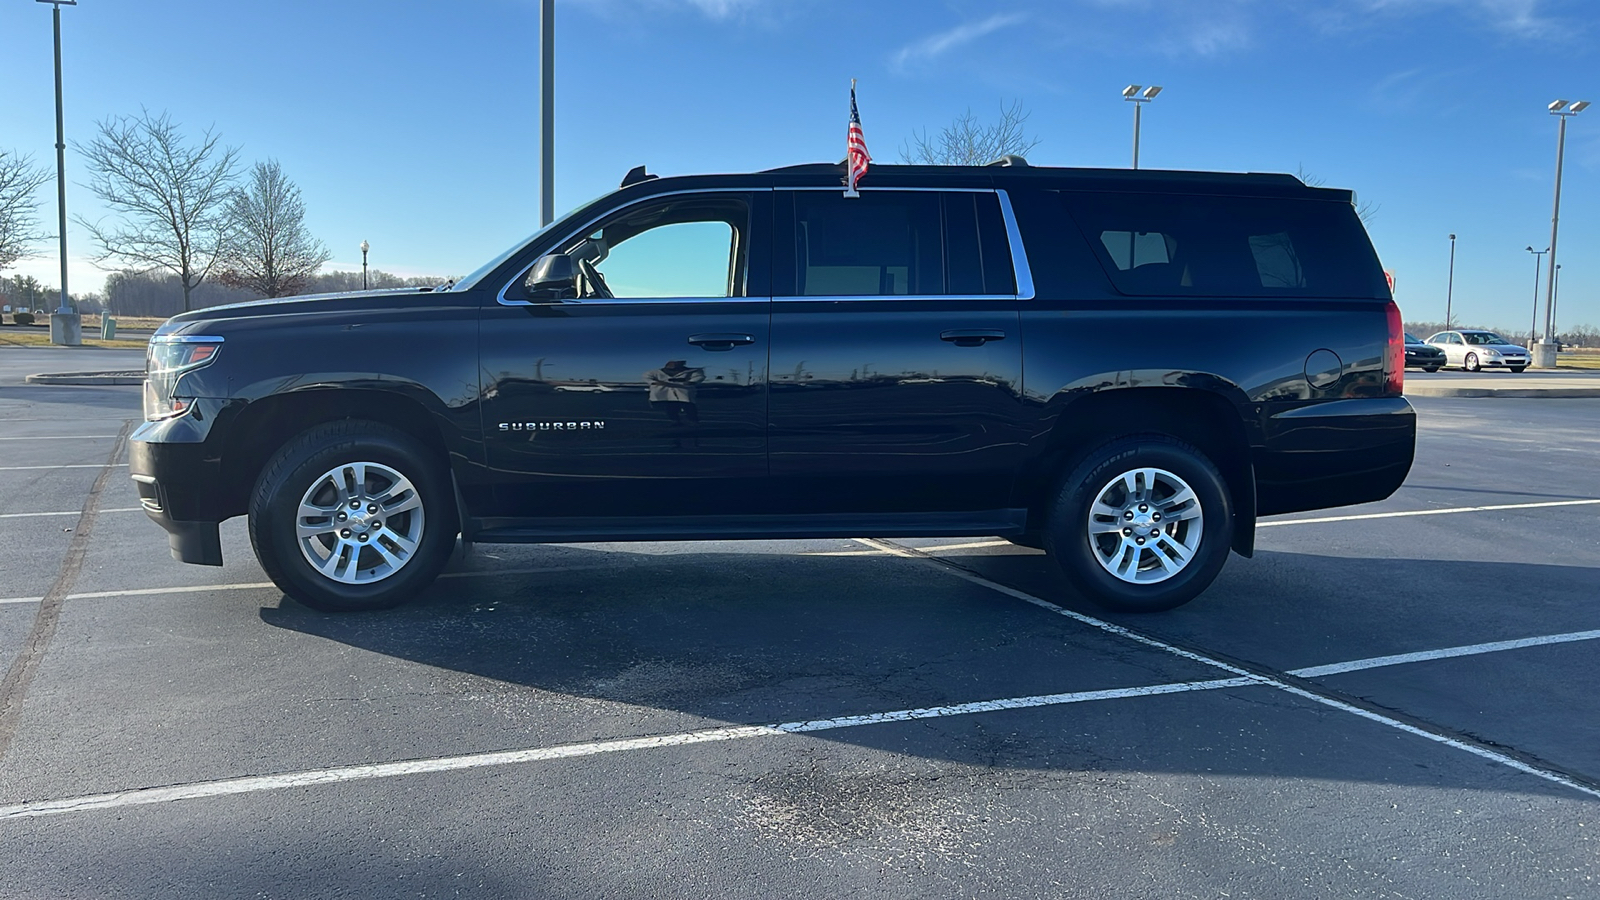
[
  {"x": 66, "y": 329},
  {"x": 1544, "y": 355}
]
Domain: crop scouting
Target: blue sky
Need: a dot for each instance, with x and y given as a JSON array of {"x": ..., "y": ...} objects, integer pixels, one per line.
[{"x": 415, "y": 125}]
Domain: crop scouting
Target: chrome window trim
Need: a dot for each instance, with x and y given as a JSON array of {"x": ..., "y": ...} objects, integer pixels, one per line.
[
  {"x": 865, "y": 190},
  {"x": 1019, "y": 255},
  {"x": 501, "y": 297},
  {"x": 857, "y": 298}
]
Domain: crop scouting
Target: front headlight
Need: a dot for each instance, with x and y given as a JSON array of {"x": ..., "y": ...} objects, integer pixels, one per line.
[
  {"x": 1490, "y": 352},
  {"x": 166, "y": 361}
]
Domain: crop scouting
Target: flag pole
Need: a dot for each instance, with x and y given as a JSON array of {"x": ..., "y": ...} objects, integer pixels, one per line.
[{"x": 849, "y": 181}]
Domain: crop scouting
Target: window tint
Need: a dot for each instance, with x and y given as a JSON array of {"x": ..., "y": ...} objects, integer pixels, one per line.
[
  {"x": 683, "y": 247},
  {"x": 1166, "y": 244},
  {"x": 899, "y": 243},
  {"x": 881, "y": 243}
]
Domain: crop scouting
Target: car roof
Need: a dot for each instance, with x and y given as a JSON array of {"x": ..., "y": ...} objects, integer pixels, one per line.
[{"x": 1258, "y": 184}]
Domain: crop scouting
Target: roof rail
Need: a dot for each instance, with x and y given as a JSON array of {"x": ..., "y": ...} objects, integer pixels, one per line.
[{"x": 1010, "y": 159}]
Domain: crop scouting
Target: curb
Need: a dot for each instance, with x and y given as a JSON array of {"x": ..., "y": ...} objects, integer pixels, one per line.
[
  {"x": 86, "y": 378},
  {"x": 1552, "y": 393}
]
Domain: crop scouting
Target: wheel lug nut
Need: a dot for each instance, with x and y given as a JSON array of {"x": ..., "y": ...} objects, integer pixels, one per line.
[
  {"x": 344, "y": 532},
  {"x": 372, "y": 507},
  {"x": 1155, "y": 517},
  {"x": 1128, "y": 514},
  {"x": 355, "y": 504},
  {"x": 1139, "y": 541},
  {"x": 362, "y": 537},
  {"x": 342, "y": 517},
  {"x": 1144, "y": 507},
  {"x": 376, "y": 524},
  {"x": 1127, "y": 531}
]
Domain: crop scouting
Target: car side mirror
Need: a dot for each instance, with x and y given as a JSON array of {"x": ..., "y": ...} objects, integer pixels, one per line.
[{"x": 554, "y": 277}]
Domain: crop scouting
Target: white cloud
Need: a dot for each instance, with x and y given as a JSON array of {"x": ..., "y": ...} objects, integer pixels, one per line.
[{"x": 938, "y": 44}]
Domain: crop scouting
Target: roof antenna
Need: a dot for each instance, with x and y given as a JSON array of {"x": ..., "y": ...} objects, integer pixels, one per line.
[{"x": 636, "y": 175}]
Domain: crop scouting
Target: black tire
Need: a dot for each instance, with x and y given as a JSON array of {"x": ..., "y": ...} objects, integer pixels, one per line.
[
  {"x": 1430, "y": 369},
  {"x": 1470, "y": 363},
  {"x": 307, "y": 459},
  {"x": 1070, "y": 544},
  {"x": 1517, "y": 370}
]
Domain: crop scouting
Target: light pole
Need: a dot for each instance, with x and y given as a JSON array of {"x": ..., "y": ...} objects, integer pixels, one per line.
[
  {"x": 364, "y": 248},
  {"x": 65, "y": 325},
  {"x": 1533, "y": 328},
  {"x": 547, "y": 111},
  {"x": 1555, "y": 297},
  {"x": 1562, "y": 111},
  {"x": 1138, "y": 95},
  {"x": 1450, "y": 286}
]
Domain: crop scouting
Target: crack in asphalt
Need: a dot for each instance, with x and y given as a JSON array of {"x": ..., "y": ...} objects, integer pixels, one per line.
[{"x": 14, "y": 687}]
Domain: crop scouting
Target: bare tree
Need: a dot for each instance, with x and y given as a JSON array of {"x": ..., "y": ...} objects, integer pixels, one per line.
[
  {"x": 171, "y": 196},
  {"x": 1367, "y": 211},
  {"x": 269, "y": 250},
  {"x": 19, "y": 203},
  {"x": 969, "y": 142}
]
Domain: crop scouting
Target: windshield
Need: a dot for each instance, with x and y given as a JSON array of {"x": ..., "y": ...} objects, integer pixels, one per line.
[
  {"x": 469, "y": 281},
  {"x": 1412, "y": 339},
  {"x": 1483, "y": 337}
]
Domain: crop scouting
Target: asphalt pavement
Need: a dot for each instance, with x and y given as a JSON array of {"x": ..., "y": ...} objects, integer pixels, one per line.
[{"x": 1396, "y": 699}]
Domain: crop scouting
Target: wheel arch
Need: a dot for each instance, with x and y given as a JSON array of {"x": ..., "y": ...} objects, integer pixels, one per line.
[
  {"x": 1211, "y": 420},
  {"x": 260, "y": 428}
]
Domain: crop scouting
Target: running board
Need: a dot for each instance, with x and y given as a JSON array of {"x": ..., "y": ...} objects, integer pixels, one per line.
[{"x": 981, "y": 523}]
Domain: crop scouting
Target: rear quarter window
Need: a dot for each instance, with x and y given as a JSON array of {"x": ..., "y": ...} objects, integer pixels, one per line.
[{"x": 1217, "y": 246}]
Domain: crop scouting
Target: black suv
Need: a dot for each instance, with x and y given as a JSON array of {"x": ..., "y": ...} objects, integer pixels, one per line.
[{"x": 1125, "y": 368}]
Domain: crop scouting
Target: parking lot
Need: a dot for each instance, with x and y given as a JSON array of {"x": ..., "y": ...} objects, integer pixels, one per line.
[{"x": 1392, "y": 700}]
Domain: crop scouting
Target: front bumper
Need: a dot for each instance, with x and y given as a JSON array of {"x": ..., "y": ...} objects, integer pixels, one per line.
[{"x": 180, "y": 484}]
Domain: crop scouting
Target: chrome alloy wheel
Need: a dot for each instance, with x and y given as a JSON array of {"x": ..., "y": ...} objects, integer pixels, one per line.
[
  {"x": 1145, "y": 525},
  {"x": 359, "y": 523}
]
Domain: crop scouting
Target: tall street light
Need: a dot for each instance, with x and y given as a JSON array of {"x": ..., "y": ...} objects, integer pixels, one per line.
[
  {"x": 1533, "y": 329},
  {"x": 547, "y": 111},
  {"x": 1555, "y": 297},
  {"x": 65, "y": 325},
  {"x": 1450, "y": 286},
  {"x": 1562, "y": 111},
  {"x": 1138, "y": 95},
  {"x": 364, "y": 248}
]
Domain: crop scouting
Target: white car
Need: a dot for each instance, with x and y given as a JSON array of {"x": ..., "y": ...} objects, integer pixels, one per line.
[{"x": 1475, "y": 350}]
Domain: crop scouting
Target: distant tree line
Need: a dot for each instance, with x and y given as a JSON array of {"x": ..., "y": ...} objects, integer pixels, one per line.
[
  {"x": 1575, "y": 335},
  {"x": 156, "y": 293}
]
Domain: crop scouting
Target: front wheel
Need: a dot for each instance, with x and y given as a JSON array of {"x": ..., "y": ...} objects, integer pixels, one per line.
[
  {"x": 352, "y": 515},
  {"x": 1143, "y": 525},
  {"x": 1517, "y": 370},
  {"x": 1430, "y": 369},
  {"x": 1470, "y": 364}
]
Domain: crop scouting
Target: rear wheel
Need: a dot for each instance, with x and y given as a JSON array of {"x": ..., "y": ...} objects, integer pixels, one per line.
[
  {"x": 1143, "y": 524},
  {"x": 352, "y": 515}
]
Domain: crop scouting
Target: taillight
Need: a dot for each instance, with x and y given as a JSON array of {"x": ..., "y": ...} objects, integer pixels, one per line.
[{"x": 1394, "y": 357}]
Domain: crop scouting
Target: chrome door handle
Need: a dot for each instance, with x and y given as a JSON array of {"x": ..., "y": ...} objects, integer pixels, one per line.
[{"x": 720, "y": 341}]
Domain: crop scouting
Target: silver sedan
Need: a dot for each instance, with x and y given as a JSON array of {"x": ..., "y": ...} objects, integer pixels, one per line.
[{"x": 1474, "y": 350}]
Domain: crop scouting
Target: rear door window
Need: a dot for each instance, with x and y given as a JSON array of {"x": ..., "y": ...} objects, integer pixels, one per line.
[
  {"x": 1185, "y": 244},
  {"x": 899, "y": 243}
]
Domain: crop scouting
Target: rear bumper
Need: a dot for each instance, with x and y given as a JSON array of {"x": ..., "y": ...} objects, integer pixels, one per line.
[
  {"x": 179, "y": 486},
  {"x": 1335, "y": 453}
]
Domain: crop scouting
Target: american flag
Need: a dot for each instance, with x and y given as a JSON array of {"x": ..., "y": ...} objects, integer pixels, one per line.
[{"x": 856, "y": 145}]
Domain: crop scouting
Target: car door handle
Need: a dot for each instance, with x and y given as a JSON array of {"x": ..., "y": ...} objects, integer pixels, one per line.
[
  {"x": 720, "y": 341},
  {"x": 972, "y": 337}
]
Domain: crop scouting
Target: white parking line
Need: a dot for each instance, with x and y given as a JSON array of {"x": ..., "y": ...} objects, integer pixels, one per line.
[
  {"x": 68, "y": 512},
  {"x": 256, "y": 784},
  {"x": 1427, "y": 512},
  {"x": 1400, "y": 659},
  {"x": 972, "y": 546},
  {"x": 1119, "y": 631},
  {"x": 66, "y": 466}
]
